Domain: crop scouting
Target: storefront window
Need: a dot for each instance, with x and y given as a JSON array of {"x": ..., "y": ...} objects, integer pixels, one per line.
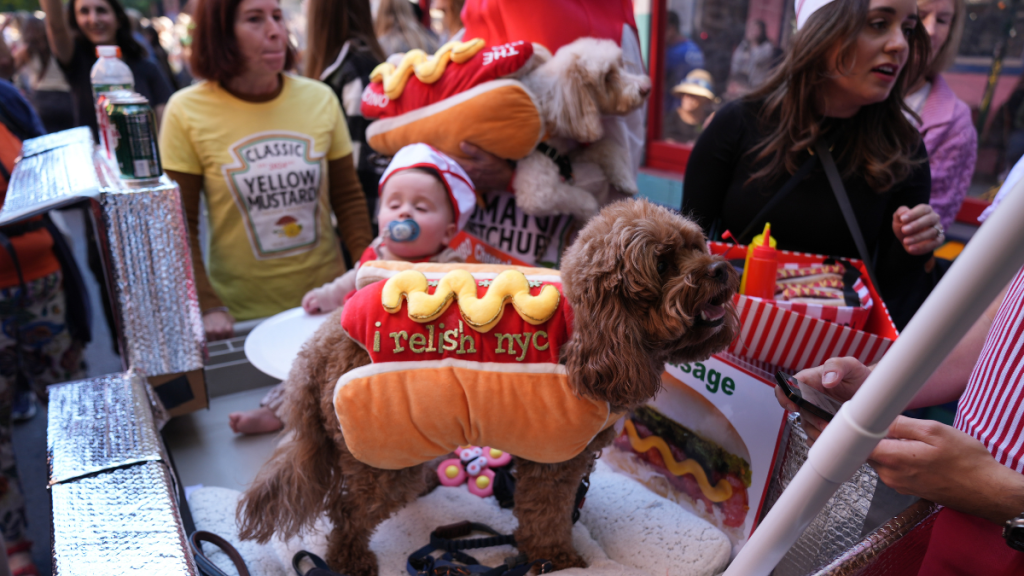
[
  {"x": 703, "y": 53},
  {"x": 985, "y": 26}
]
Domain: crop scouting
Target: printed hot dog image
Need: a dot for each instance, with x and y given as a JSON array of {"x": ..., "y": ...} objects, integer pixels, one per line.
[{"x": 699, "y": 461}]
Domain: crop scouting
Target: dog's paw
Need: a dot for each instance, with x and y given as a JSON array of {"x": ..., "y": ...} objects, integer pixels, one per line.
[
  {"x": 351, "y": 562},
  {"x": 626, "y": 186},
  {"x": 562, "y": 560},
  {"x": 585, "y": 206}
]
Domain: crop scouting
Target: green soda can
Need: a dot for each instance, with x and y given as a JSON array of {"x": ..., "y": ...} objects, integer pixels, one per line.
[{"x": 133, "y": 130}]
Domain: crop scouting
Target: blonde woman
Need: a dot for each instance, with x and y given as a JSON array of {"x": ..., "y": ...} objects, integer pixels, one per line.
[{"x": 946, "y": 125}]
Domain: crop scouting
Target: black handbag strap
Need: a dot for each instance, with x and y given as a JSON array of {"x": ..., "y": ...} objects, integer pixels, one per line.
[
  {"x": 745, "y": 237},
  {"x": 836, "y": 183}
]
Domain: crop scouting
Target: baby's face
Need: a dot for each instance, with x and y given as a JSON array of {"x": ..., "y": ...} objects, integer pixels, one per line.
[{"x": 417, "y": 195}]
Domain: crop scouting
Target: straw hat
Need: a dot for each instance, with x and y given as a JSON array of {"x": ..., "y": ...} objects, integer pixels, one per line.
[{"x": 696, "y": 83}]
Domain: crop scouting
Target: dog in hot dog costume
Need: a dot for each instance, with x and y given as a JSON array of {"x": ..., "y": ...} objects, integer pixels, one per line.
[
  {"x": 453, "y": 365},
  {"x": 521, "y": 364}
]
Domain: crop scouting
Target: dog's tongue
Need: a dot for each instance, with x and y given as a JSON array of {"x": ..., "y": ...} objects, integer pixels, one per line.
[{"x": 712, "y": 312}]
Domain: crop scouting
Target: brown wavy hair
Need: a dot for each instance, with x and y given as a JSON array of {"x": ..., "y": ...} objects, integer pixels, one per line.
[
  {"x": 331, "y": 24},
  {"x": 880, "y": 141}
]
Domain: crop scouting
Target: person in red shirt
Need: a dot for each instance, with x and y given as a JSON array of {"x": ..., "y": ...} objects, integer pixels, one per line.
[{"x": 975, "y": 468}]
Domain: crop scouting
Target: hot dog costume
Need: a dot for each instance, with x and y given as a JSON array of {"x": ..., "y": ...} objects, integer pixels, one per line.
[{"x": 461, "y": 354}]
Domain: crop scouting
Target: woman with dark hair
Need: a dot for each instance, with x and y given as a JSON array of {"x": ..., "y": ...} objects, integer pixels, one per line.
[
  {"x": 271, "y": 153},
  {"x": 92, "y": 23},
  {"x": 840, "y": 86},
  {"x": 341, "y": 51},
  {"x": 752, "y": 60}
]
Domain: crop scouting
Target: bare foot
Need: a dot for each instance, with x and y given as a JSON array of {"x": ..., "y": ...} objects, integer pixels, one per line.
[{"x": 259, "y": 421}]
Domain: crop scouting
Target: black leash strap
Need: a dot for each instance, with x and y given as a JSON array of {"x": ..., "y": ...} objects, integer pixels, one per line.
[
  {"x": 836, "y": 183},
  {"x": 444, "y": 538},
  {"x": 450, "y": 539},
  {"x": 560, "y": 160},
  {"x": 208, "y": 568}
]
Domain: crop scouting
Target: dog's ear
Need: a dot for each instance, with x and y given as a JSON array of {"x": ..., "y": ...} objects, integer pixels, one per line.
[
  {"x": 609, "y": 278},
  {"x": 574, "y": 103},
  {"x": 606, "y": 358}
]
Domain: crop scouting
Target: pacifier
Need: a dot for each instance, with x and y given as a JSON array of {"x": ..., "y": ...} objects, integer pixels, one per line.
[{"x": 403, "y": 230}]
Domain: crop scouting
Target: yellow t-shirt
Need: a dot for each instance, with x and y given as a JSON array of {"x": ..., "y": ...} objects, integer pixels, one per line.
[{"x": 264, "y": 168}]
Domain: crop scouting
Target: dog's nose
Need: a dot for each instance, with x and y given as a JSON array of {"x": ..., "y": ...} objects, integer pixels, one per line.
[
  {"x": 719, "y": 271},
  {"x": 644, "y": 91}
]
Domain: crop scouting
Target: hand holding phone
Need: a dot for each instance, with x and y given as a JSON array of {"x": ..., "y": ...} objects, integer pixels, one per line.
[{"x": 816, "y": 403}]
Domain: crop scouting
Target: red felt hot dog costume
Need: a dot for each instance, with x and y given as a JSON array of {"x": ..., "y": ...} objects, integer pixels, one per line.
[
  {"x": 471, "y": 97},
  {"x": 461, "y": 354}
]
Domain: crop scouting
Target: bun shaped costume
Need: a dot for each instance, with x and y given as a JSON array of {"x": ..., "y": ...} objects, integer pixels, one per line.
[{"x": 461, "y": 354}]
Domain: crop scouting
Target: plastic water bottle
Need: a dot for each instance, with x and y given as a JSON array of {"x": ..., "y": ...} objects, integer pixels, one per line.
[{"x": 109, "y": 73}]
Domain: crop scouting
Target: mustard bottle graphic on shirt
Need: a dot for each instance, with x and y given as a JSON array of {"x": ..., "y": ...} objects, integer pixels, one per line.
[{"x": 276, "y": 180}]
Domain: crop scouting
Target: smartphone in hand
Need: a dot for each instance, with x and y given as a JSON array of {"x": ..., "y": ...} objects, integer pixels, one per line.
[{"x": 814, "y": 402}]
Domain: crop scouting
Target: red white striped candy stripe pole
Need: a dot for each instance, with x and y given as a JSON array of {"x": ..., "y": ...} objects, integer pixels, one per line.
[{"x": 985, "y": 266}]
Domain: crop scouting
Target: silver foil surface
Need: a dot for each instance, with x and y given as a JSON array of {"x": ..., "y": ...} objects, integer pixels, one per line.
[
  {"x": 124, "y": 521},
  {"x": 100, "y": 424},
  {"x": 894, "y": 549},
  {"x": 144, "y": 234},
  {"x": 838, "y": 527},
  {"x": 154, "y": 284},
  {"x": 55, "y": 170}
]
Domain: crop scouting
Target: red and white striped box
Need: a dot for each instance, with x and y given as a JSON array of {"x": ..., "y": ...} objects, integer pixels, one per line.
[
  {"x": 853, "y": 316},
  {"x": 793, "y": 340}
]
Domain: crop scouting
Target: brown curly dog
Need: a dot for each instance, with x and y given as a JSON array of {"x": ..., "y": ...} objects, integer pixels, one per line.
[{"x": 644, "y": 290}]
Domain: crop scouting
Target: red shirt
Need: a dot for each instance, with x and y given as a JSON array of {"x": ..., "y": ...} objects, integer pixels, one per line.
[
  {"x": 991, "y": 410},
  {"x": 552, "y": 23}
]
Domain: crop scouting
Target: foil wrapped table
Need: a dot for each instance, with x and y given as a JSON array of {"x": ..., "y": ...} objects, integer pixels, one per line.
[
  {"x": 115, "y": 505},
  {"x": 115, "y": 497}
]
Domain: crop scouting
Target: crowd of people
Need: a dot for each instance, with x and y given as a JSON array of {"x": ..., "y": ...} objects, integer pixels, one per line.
[{"x": 858, "y": 85}]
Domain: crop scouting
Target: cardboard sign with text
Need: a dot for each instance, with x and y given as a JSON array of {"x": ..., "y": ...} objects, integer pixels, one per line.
[
  {"x": 475, "y": 251},
  {"x": 708, "y": 442}
]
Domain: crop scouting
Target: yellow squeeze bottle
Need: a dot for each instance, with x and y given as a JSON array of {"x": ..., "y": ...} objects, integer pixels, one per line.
[{"x": 750, "y": 252}]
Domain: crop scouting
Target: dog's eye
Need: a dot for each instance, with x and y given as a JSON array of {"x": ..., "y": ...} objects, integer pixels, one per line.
[{"x": 661, "y": 266}]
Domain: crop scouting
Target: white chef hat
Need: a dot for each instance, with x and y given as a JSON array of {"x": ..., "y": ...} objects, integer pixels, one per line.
[
  {"x": 804, "y": 9},
  {"x": 456, "y": 182}
]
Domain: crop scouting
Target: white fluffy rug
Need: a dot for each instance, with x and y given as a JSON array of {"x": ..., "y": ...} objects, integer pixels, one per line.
[{"x": 624, "y": 530}]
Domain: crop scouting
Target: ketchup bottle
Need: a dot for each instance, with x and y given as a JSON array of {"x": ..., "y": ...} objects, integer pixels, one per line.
[{"x": 761, "y": 268}]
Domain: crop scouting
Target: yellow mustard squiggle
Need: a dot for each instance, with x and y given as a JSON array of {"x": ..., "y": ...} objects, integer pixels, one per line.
[
  {"x": 480, "y": 313},
  {"x": 719, "y": 493},
  {"x": 427, "y": 68}
]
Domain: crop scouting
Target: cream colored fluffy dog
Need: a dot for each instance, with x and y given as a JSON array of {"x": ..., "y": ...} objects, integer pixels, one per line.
[{"x": 582, "y": 82}]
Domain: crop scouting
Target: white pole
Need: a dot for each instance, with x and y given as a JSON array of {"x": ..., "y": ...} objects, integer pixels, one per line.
[{"x": 986, "y": 265}]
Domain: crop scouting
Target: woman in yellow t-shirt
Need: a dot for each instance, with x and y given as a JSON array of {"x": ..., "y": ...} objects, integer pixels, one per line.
[{"x": 272, "y": 153}]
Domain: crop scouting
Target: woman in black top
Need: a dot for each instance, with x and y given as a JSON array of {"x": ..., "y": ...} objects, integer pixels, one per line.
[
  {"x": 341, "y": 51},
  {"x": 92, "y": 23},
  {"x": 841, "y": 81}
]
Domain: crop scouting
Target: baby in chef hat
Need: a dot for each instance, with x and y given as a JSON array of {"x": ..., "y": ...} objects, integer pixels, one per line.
[{"x": 425, "y": 200}]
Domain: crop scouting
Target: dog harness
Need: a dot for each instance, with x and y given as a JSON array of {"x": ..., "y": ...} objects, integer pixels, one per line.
[{"x": 462, "y": 354}]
